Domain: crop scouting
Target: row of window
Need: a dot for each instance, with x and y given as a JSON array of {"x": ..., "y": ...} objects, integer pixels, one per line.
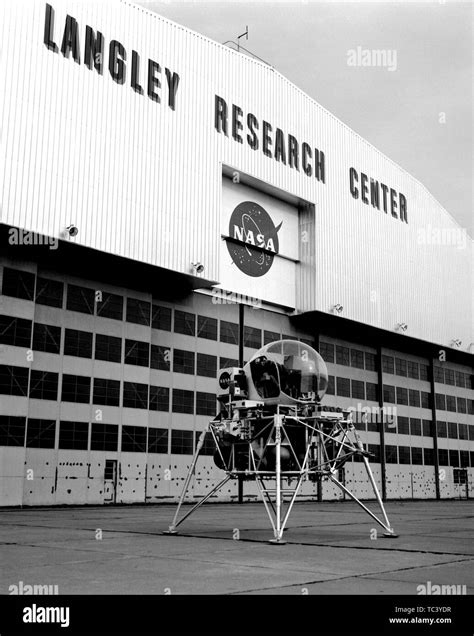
[
  {"x": 414, "y": 426},
  {"x": 44, "y": 385},
  {"x": 96, "y": 302},
  {"x": 41, "y": 433},
  {"x": 419, "y": 456},
  {"x": 346, "y": 356},
  {"x": 359, "y": 390}
]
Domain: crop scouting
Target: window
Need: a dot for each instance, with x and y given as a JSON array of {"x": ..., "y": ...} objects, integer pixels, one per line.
[
  {"x": 326, "y": 351},
  {"x": 46, "y": 338},
  {"x": 343, "y": 387},
  {"x": 469, "y": 381},
  {"x": 184, "y": 322},
  {"x": 44, "y": 385},
  {"x": 137, "y": 353},
  {"x": 206, "y": 365},
  {"x": 76, "y": 388},
  {"x": 73, "y": 435},
  {"x": 358, "y": 389},
  {"x": 402, "y": 395},
  {"x": 15, "y": 331},
  {"x": 441, "y": 429},
  {"x": 463, "y": 431},
  {"x": 400, "y": 367},
  {"x": 138, "y": 311},
  {"x": 134, "y": 439},
  {"x": 424, "y": 373},
  {"x": 78, "y": 343},
  {"x": 161, "y": 317},
  {"x": 460, "y": 379},
  {"x": 224, "y": 363},
  {"x": 18, "y": 284},
  {"x": 135, "y": 395},
  {"x": 438, "y": 374},
  {"x": 461, "y": 404},
  {"x": 182, "y": 442},
  {"x": 159, "y": 398},
  {"x": 12, "y": 430},
  {"x": 229, "y": 332},
  {"x": 389, "y": 394},
  {"x": 158, "y": 440},
  {"x": 464, "y": 457},
  {"x": 454, "y": 458},
  {"x": 252, "y": 337},
  {"x": 453, "y": 430},
  {"x": 108, "y": 348},
  {"x": 110, "y": 306},
  {"x": 425, "y": 400},
  {"x": 80, "y": 299},
  {"x": 370, "y": 361},
  {"x": 331, "y": 388},
  {"x": 40, "y": 433},
  {"x": 373, "y": 423},
  {"x": 470, "y": 407},
  {"x": 183, "y": 361},
  {"x": 391, "y": 455},
  {"x": 443, "y": 457},
  {"x": 104, "y": 437},
  {"x": 209, "y": 446},
  {"x": 160, "y": 357},
  {"x": 403, "y": 426},
  {"x": 415, "y": 426},
  {"x": 451, "y": 403},
  {"x": 428, "y": 456},
  {"x": 427, "y": 428},
  {"x": 471, "y": 434},
  {"x": 449, "y": 376},
  {"x": 414, "y": 397},
  {"x": 183, "y": 401},
  {"x": 416, "y": 455},
  {"x": 13, "y": 380},
  {"x": 404, "y": 455},
  {"x": 207, "y": 328},
  {"x": 371, "y": 391},
  {"x": 49, "y": 292},
  {"x": 342, "y": 355},
  {"x": 375, "y": 450},
  {"x": 413, "y": 370},
  {"x": 205, "y": 403},
  {"x": 270, "y": 336},
  {"x": 440, "y": 402},
  {"x": 106, "y": 392},
  {"x": 357, "y": 359},
  {"x": 388, "y": 364}
]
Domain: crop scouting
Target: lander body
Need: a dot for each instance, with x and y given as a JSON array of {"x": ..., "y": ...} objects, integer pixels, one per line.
[{"x": 272, "y": 428}]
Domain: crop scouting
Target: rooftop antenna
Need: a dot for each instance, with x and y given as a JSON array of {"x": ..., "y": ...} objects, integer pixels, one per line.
[{"x": 241, "y": 36}]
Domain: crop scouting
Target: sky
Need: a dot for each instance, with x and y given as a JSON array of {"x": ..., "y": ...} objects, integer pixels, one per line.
[{"x": 419, "y": 114}]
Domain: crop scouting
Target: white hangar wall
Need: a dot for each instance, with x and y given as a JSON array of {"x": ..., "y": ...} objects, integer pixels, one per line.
[{"x": 144, "y": 181}]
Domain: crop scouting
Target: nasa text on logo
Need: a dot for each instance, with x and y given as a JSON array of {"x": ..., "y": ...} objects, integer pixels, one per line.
[
  {"x": 254, "y": 239},
  {"x": 224, "y": 380}
]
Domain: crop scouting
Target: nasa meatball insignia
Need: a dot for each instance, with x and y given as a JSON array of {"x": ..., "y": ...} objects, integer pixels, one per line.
[{"x": 253, "y": 239}]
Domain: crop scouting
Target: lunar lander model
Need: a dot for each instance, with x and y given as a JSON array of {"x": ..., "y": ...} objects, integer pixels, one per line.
[{"x": 273, "y": 429}]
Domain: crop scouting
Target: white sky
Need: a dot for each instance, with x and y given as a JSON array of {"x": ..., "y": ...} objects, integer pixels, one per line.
[{"x": 397, "y": 111}]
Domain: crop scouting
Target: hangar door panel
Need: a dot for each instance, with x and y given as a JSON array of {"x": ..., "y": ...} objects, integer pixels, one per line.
[{"x": 259, "y": 247}]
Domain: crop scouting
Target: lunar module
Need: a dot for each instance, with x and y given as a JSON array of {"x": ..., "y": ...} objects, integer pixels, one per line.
[{"x": 272, "y": 429}]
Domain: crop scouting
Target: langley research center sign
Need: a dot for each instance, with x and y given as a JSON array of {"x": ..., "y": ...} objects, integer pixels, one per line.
[{"x": 259, "y": 135}]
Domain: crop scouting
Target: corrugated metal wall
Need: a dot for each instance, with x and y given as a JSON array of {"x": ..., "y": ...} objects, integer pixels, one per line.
[{"x": 143, "y": 181}]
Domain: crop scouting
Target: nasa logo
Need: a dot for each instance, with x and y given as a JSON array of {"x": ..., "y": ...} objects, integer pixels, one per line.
[
  {"x": 224, "y": 380},
  {"x": 253, "y": 240}
]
